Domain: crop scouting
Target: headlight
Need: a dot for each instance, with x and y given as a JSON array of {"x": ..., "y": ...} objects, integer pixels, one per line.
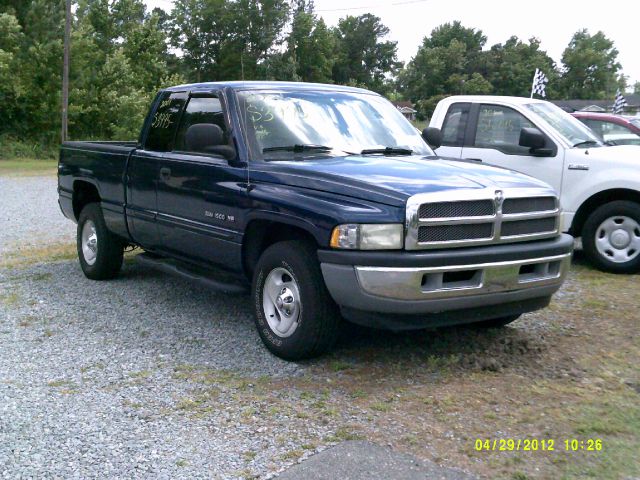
[{"x": 370, "y": 236}]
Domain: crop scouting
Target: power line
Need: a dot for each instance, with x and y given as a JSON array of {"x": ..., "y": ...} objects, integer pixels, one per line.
[{"x": 370, "y": 7}]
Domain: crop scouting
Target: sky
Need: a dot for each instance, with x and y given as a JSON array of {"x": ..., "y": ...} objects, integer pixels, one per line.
[{"x": 552, "y": 21}]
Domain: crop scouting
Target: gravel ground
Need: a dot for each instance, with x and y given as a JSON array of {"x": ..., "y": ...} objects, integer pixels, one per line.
[
  {"x": 30, "y": 215},
  {"x": 88, "y": 383},
  {"x": 89, "y": 387}
]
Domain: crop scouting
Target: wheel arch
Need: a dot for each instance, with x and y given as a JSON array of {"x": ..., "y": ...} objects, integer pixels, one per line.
[
  {"x": 84, "y": 192},
  {"x": 260, "y": 233},
  {"x": 597, "y": 200}
]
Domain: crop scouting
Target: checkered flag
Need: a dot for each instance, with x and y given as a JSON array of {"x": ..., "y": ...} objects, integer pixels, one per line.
[
  {"x": 540, "y": 81},
  {"x": 619, "y": 104}
]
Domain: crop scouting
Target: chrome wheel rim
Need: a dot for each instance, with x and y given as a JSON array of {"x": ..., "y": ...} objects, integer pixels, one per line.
[
  {"x": 281, "y": 302},
  {"x": 89, "y": 242},
  {"x": 618, "y": 239}
]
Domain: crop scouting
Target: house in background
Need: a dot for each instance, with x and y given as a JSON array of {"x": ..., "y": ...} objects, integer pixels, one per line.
[
  {"x": 633, "y": 105},
  {"x": 406, "y": 108}
]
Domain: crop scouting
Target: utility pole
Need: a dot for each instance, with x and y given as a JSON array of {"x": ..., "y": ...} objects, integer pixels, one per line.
[{"x": 65, "y": 71}]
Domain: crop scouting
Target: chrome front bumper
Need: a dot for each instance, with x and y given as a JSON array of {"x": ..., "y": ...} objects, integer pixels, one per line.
[
  {"x": 462, "y": 280},
  {"x": 413, "y": 290}
]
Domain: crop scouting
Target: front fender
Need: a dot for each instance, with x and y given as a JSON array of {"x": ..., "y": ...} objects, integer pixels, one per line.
[{"x": 314, "y": 211}]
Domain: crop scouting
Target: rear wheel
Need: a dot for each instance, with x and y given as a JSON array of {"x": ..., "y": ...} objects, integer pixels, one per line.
[
  {"x": 294, "y": 313},
  {"x": 496, "y": 322},
  {"x": 611, "y": 237},
  {"x": 99, "y": 251}
]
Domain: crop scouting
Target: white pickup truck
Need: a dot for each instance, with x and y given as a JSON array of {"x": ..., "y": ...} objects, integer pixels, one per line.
[{"x": 599, "y": 185}]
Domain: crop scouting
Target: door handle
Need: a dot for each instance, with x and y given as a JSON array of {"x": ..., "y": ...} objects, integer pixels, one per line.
[
  {"x": 165, "y": 173},
  {"x": 474, "y": 159}
]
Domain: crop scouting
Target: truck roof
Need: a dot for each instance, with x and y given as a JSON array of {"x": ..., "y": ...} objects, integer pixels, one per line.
[
  {"x": 492, "y": 98},
  {"x": 260, "y": 85}
]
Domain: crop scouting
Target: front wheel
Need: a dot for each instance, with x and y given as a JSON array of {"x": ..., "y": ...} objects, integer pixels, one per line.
[
  {"x": 99, "y": 251},
  {"x": 294, "y": 313},
  {"x": 611, "y": 237}
]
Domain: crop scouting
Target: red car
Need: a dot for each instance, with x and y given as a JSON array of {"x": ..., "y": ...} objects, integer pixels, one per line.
[{"x": 613, "y": 129}]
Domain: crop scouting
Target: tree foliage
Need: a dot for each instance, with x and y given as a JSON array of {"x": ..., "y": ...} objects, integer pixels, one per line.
[
  {"x": 590, "y": 67},
  {"x": 122, "y": 53},
  {"x": 446, "y": 64},
  {"x": 510, "y": 67},
  {"x": 362, "y": 56}
]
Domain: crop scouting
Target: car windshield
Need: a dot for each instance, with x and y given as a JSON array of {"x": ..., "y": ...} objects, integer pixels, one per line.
[
  {"x": 635, "y": 121},
  {"x": 282, "y": 124},
  {"x": 574, "y": 131}
]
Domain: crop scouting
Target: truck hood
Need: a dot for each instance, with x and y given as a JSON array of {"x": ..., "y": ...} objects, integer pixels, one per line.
[
  {"x": 390, "y": 179},
  {"x": 617, "y": 155}
]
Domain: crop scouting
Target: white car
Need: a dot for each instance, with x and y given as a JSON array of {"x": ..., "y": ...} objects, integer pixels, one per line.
[{"x": 599, "y": 185}]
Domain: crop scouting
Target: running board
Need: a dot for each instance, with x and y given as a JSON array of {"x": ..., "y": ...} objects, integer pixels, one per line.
[{"x": 224, "y": 281}]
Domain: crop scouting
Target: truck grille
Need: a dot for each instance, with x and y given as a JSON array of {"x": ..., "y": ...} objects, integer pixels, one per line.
[
  {"x": 474, "y": 208},
  {"x": 525, "y": 205},
  {"x": 459, "y": 218},
  {"x": 444, "y": 233},
  {"x": 528, "y": 227}
]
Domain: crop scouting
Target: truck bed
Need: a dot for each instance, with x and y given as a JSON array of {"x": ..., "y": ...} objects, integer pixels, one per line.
[{"x": 102, "y": 166}]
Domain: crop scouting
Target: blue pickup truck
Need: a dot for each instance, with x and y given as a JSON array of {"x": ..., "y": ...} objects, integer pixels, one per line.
[{"x": 324, "y": 202}]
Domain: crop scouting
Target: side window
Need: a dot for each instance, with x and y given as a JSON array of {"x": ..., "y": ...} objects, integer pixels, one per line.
[
  {"x": 499, "y": 128},
  {"x": 455, "y": 124},
  {"x": 164, "y": 122},
  {"x": 615, "y": 129},
  {"x": 202, "y": 126}
]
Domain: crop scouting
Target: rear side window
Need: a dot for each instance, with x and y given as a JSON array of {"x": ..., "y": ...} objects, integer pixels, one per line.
[
  {"x": 164, "y": 122},
  {"x": 200, "y": 110},
  {"x": 455, "y": 124}
]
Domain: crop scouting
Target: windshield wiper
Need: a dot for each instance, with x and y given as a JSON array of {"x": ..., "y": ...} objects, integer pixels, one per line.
[
  {"x": 586, "y": 142},
  {"x": 298, "y": 148},
  {"x": 387, "y": 151}
]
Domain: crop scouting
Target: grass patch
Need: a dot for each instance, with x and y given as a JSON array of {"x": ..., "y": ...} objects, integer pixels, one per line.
[
  {"x": 339, "y": 366},
  {"x": 25, "y": 257},
  {"x": 292, "y": 455},
  {"x": 28, "y": 167},
  {"x": 10, "y": 299}
]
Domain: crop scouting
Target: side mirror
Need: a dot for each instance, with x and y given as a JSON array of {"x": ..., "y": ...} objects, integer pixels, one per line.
[
  {"x": 532, "y": 138},
  {"x": 433, "y": 136}
]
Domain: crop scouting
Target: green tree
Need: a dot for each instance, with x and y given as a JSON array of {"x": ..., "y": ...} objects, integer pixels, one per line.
[
  {"x": 362, "y": 56},
  {"x": 510, "y": 67},
  {"x": 223, "y": 39},
  {"x": 37, "y": 68},
  {"x": 310, "y": 47},
  {"x": 119, "y": 61},
  {"x": 11, "y": 38},
  {"x": 446, "y": 63},
  {"x": 590, "y": 67}
]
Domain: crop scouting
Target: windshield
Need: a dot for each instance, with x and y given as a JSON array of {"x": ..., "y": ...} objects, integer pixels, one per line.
[
  {"x": 276, "y": 122},
  {"x": 635, "y": 121},
  {"x": 574, "y": 131}
]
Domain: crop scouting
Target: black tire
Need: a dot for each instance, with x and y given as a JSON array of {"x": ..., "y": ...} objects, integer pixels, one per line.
[
  {"x": 591, "y": 231},
  {"x": 318, "y": 319},
  {"x": 496, "y": 322},
  {"x": 109, "y": 248}
]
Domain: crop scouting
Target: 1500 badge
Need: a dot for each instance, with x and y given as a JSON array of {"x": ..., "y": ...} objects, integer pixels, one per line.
[{"x": 223, "y": 217}]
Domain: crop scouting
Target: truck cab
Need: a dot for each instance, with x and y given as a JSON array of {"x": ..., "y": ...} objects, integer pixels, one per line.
[{"x": 598, "y": 184}]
